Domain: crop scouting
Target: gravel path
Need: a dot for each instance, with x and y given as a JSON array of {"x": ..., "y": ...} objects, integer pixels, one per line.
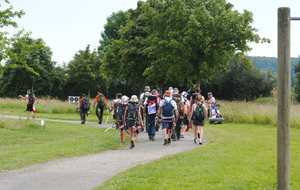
[{"x": 87, "y": 172}]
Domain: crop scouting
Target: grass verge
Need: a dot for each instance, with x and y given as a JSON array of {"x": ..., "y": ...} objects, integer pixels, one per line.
[
  {"x": 236, "y": 156},
  {"x": 25, "y": 142}
]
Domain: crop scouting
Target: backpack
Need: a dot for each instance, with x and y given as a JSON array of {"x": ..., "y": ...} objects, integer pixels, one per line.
[
  {"x": 199, "y": 112},
  {"x": 30, "y": 98},
  {"x": 167, "y": 109},
  {"x": 86, "y": 104},
  {"x": 116, "y": 105},
  {"x": 101, "y": 100},
  {"x": 146, "y": 95},
  {"x": 132, "y": 111},
  {"x": 152, "y": 104},
  {"x": 121, "y": 111},
  {"x": 177, "y": 99}
]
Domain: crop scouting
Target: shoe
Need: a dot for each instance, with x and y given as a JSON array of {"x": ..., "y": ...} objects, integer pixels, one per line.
[
  {"x": 182, "y": 135},
  {"x": 169, "y": 141},
  {"x": 178, "y": 139},
  {"x": 82, "y": 122},
  {"x": 174, "y": 139},
  {"x": 165, "y": 143},
  {"x": 100, "y": 122},
  {"x": 200, "y": 142},
  {"x": 195, "y": 141},
  {"x": 132, "y": 145},
  {"x": 122, "y": 142},
  {"x": 149, "y": 138},
  {"x": 152, "y": 139}
]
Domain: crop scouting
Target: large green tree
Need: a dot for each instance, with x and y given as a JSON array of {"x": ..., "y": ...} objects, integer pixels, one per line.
[
  {"x": 6, "y": 19},
  {"x": 197, "y": 37},
  {"x": 84, "y": 71},
  {"x": 29, "y": 66}
]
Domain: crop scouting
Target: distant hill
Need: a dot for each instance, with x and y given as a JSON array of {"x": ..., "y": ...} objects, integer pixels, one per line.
[{"x": 270, "y": 63}]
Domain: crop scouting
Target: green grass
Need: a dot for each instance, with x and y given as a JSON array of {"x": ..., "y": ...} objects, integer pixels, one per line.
[
  {"x": 236, "y": 156},
  {"x": 24, "y": 142}
]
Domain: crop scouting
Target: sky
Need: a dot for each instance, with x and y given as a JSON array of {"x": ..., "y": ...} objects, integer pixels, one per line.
[{"x": 67, "y": 26}]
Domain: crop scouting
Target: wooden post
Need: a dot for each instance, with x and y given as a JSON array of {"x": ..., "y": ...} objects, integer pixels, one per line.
[{"x": 284, "y": 98}]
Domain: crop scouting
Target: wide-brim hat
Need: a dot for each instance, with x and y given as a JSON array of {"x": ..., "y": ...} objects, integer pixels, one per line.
[
  {"x": 124, "y": 98},
  {"x": 147, "y": 88},
  {"x": 134, "y": 98},
  {"x": 168, "y": 93}
]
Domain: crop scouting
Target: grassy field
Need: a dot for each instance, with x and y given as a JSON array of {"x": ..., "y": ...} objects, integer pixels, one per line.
[
  {"x": 239, "y": 154},
  {"x": 26, "y": 142},
  {"x": 236, "y": 156}
]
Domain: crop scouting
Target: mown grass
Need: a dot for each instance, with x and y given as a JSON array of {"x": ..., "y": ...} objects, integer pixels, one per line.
[
  {"x": 26, "y": 142},
  {"x": 48, "y": 108},
  {"x": 236, "y": 156}
]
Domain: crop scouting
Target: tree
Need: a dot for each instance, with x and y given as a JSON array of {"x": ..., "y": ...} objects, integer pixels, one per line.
[
  {"x": 84, "y": 71},
  {"x": 111, "y": 29},
  {"x": 198, "y": 37},
  {"x": 6, "y": 17},
  {"x": 242, "y": 81},
  {"x": 297, "y": 86},
  {"x": 29, "y": 66}
]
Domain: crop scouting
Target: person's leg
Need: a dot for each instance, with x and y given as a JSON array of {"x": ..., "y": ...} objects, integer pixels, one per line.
[
  {"x": 101, "y": 114},
  {"x": 98, "y": 111},
  {"x": 123, "y": 134},
  {"x": 164, "y": 131},
  {"x": 170, "y": 131},
  {"x": 152, "y": 130},
  {"x": 131, "y": 136},
  {"x": 196, "y": 130},
  {"x": 201, "y": 129}
]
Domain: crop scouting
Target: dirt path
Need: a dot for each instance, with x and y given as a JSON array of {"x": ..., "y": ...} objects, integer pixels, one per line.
[{"x": 87, "y": 172}]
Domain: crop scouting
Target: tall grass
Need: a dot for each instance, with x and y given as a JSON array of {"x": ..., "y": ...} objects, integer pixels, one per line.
[
  {"x": 256, "y": 113},
  {"x": 262, "y": 111}
]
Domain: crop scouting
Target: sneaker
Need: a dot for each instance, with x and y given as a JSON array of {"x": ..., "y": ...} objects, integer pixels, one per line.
[
  {"x": 182, "y": 135},
  {"x": 132, "y": 145},
  {"x": 165, "y": 143},
  {"x": 200, "y": 142}
]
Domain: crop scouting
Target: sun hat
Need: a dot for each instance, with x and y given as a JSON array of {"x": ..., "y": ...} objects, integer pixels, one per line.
[
  {"x": 168, "y": 93},
  {"x": 175, "y": 90},
  {"x": 147, "y": 88},
  {"x": 124, "y": 98},
  {"x": 184, "y": 93},
  {"x": 133, "y": 98}
]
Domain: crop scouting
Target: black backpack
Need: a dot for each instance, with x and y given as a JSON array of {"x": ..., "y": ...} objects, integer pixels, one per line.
[
  {"x": 86, "y": 104},
  {"x": 30, "y": 98},
  {"x": 132, "y": 111},
  {"x": 199, "y": 112},
  {"x": 121, "y": 111}
]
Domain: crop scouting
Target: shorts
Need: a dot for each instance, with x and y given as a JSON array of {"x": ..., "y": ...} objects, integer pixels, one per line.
[
  {"x": 130, "y": 123},
  {"x": 29, "y": 107},
  {"x": 167, "y": 125},
  {"x": 198, "y": 123}
]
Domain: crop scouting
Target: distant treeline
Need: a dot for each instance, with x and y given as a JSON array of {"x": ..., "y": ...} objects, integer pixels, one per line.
[{"x": 270, "y": 63}]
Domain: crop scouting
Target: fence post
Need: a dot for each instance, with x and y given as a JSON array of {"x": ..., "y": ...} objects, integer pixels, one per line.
[{"x": 284, "y": 98}]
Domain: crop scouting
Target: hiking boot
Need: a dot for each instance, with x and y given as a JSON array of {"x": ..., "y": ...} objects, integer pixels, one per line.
[
  {"x": 165, "y": 143},
  {"x": 132, "y": 145},
  {"x": 169, "y": 141}
]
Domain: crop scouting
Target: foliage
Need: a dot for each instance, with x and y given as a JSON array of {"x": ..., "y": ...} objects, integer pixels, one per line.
[
  {"x": 84, "y": 71},
  {"x": 297, "y": 86},
  {"x": 242, "y": 81},
  {"x": 29, "y": 66},
  {"x": 6, "y": 16}
]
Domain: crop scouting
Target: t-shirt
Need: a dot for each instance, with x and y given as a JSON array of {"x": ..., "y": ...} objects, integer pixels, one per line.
[
  {"x": 27, "y": 96},
  {"x": 99, "y": 96},
  {"x": 214, "y": 112}
]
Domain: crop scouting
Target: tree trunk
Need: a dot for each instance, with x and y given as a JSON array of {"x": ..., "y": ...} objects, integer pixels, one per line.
[{"x": 198, "y": 83}]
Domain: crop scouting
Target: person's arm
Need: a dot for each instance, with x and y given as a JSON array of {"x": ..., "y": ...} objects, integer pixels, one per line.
[
  {"x": 192, "y": 112},
  {"x": 95, "y": 101},
  {"x": 176, "y": 115}
]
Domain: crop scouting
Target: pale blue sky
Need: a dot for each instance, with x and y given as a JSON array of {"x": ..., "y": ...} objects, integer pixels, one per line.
[{"x": 70, "y": 25}]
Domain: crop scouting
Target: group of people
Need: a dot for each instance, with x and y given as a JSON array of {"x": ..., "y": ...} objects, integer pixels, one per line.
[{"x": 171, "y": 111}]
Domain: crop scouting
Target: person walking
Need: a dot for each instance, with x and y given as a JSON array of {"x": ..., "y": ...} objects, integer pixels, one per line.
[
  {"x": 115, "y": 103},
  {"x": 84, "y": 108},
  {"x": 211, "y": 100},
  {"x": 132, "y": 116},
  {"x": 30, "y": 105},
  {"x": 186, "y": 110},
  {"x": 100, "y": 100},
  {"x": 197, "y": 116},
  {"x": 143, "y": 97},
  {"x": 167, "y": 108},
  {"x": 120, "y": 117},
  {"x": 150, "y": 108},
  {"x": 178, "y": 98}
]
